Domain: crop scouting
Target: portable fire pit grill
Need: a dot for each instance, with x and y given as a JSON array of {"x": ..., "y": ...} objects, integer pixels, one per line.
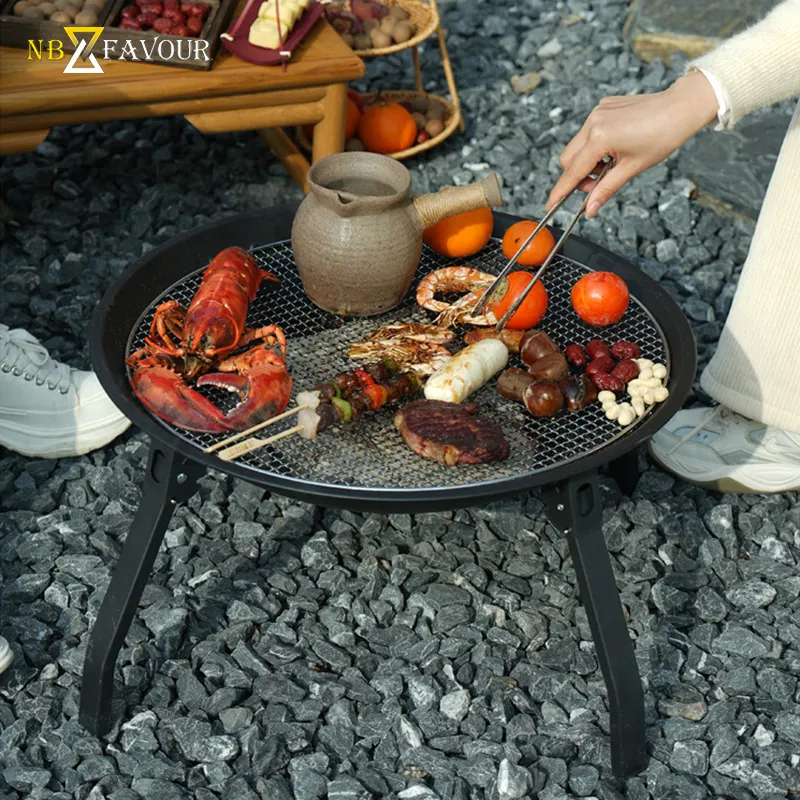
[{"x": 366, "y": 466}]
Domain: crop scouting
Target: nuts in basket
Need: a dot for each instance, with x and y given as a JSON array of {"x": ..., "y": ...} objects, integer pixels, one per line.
[{"x": 370, "y": 24}]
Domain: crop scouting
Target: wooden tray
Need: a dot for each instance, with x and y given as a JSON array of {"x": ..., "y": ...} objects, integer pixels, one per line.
[
  {"x": 18, "y": 31},
  {"x": 218, "y": 18},
  {"x": 235, "y": 39}
]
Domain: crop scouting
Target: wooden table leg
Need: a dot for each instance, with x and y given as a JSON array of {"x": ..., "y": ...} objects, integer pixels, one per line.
[
  {"x": 329, "y": 133},
  {"x": 282, "y": 147},
  {"x": 21, "y": 141}
]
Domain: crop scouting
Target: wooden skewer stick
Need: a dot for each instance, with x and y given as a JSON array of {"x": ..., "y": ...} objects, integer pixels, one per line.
[
  {"x": 255, "y": 428},
  {"x": 249, "y": 445}
]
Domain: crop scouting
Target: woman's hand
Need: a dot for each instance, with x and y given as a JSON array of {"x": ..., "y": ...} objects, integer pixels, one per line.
[{"x": 638, "y": 132}]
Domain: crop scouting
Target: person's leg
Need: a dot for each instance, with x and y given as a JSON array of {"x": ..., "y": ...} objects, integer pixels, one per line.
[
  {"x": 47, "y": 409},
  {"x": 6, "y": 655},
  {"x": 755, "y": 369},
  {"x": 751, "y": 442}
]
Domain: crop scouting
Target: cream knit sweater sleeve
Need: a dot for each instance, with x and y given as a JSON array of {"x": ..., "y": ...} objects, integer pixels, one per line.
[{"x": 759, "y": 66}]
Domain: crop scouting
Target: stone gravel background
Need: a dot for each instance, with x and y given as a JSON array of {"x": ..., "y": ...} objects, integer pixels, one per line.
[{"x": 457, "y": 659}]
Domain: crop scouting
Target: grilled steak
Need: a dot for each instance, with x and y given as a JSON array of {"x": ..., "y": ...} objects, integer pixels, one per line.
[{"x": 450, "y": 433}]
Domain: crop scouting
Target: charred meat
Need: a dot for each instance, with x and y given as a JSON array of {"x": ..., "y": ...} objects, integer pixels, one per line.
[{"x": 450, "y": 433}]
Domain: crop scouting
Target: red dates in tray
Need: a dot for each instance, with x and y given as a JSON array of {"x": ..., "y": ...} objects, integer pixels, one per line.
[{"x": 165, "y": 16}]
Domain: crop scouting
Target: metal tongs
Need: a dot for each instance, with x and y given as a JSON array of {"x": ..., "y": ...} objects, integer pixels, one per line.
[{"x": 480, "y": 305}]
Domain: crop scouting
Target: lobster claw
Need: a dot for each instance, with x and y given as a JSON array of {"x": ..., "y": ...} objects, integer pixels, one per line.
[
  {"x": 263, "y": 385},
  {"x": 165, "y": 394}
]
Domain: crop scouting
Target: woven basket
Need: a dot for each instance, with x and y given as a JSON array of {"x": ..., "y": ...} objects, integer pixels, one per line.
[
  {"x": 452, "y": 117},
  {"x": 424, "y": 16}
]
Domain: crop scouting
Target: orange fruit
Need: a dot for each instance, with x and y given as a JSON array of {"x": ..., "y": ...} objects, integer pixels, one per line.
[
  {"x": 386, "y": 127},
  {"x": 351, "y": 119},
  {"x": 536, "y": 252},
  {"x": 600, "y": 298},
  {"x": 533, "y": 307},
  {"x": 462, "y": 235}
]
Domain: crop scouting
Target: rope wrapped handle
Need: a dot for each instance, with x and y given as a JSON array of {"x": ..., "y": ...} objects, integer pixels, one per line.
[{"x": 432, "y": 208}]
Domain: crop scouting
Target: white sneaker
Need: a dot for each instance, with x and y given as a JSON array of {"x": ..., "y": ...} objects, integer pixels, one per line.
[
  {"x": 6, "y": 655},
  {"x": 47, "y": 409},
  {"x": 722, "y": 450}
]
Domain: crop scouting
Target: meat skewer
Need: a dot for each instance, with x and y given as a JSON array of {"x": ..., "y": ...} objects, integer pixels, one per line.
[{"x": 350, "y": 394}]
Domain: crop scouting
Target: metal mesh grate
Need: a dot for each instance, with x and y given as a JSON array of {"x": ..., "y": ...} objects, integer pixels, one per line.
[{"x": 371, "y": 452}]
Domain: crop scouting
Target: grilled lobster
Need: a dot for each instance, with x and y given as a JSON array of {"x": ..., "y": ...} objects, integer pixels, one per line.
[{"x": 186, "y": 343}]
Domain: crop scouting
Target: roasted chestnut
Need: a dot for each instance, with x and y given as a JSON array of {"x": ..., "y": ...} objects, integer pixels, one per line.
[
  {"x": 553, "y": 367},
  {"x": 578, "y": 392},
  {"x": 513, "y": 382},
  {"x": 543, "y": 398},
  {"x": 535, "y": 345}
]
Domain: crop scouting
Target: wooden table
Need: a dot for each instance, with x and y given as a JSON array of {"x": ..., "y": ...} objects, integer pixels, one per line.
[{"x": 233, "y": 95}]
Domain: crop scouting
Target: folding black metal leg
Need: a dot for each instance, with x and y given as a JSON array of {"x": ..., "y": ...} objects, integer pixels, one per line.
[
  {"x": 170, "y": 479},
  {"x": 574, "y": 507},
  {"x": 625, "y": 471}
]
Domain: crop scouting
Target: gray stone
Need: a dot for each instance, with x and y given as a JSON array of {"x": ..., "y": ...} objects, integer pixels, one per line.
[
  {"x": 667, "y": 251},
  {"x": 512, "y": 780},
  {"x": 550, "y": 49},
  {"x": 752, "y": 595},
  {"x": 736, "y": 169},
  {"x": 346, "y": 787},
  {"x": 455, "y": 705},
  {"x": 583, "y": 779},
  {"x": 741, "y": 641}
]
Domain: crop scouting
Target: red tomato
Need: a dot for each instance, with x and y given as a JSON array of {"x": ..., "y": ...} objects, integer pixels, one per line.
[
  {"x": 600, "y": 298},
  {"x": 533, "y": 307}
]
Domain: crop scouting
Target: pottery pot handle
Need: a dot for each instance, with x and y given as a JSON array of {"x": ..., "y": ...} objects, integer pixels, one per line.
[{"x": 432, "y": 208}]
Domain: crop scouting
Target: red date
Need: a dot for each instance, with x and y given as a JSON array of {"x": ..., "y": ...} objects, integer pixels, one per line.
[
  {"x": 624, "y": 350},
  {"x": 146, "y": 20},
  {"x": 195, "y": 25},
  {"x": 596, "y": 348},
  {"x": 181, "y": 30},
  {"x": 607, "y": 383},
  {"x": 152, "y": 8},
  {"x": 194, "y": 9},
  {"x": 130, "y": 12},
  {"x": 171, "y": 4},
  {"x": 130, "y": 24},
  {"x": 162, "y": 25},
  {"x": 600, "y": 364},
  {"x": 576, "y": 355},
  {"x": 626, "y": 370},
  {"x": 174, "y": 15}
]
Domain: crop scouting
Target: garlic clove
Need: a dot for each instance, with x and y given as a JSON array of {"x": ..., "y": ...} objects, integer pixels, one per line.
[
  {"x": 605, "y": 396},
  {"x": 649, "y": 397},
  {"x": 659, "y": 371},
  {"x": 645, "y": 374},
  {"x": 612, "y": 412},
  {"x": 638, "y": 406},
  {"x": 660, "y": 394},
  {"x": 626, "y": 417}
]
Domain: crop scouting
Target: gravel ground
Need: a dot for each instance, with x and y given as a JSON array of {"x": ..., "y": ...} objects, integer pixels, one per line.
[{"x": 459, "y": 661}]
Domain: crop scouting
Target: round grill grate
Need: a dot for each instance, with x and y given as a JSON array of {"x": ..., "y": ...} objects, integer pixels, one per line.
[{"x": 371, "y": 452}]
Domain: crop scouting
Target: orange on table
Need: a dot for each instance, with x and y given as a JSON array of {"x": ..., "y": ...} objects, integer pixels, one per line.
[
  {"x": 386, "y": 127},
  {"x": 462, "y": 235},
  {"x": 536, "y": 252}
]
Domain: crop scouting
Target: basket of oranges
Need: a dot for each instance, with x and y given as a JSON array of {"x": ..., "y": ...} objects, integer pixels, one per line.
[{"x": 397, "y": 123}]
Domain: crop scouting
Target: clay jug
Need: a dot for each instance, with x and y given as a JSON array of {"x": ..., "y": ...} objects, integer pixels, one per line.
[{"x": 357, "y": 236}]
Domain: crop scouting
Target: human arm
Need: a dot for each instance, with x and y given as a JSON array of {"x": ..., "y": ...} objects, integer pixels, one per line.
[{"x": 757, "y": 67}]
